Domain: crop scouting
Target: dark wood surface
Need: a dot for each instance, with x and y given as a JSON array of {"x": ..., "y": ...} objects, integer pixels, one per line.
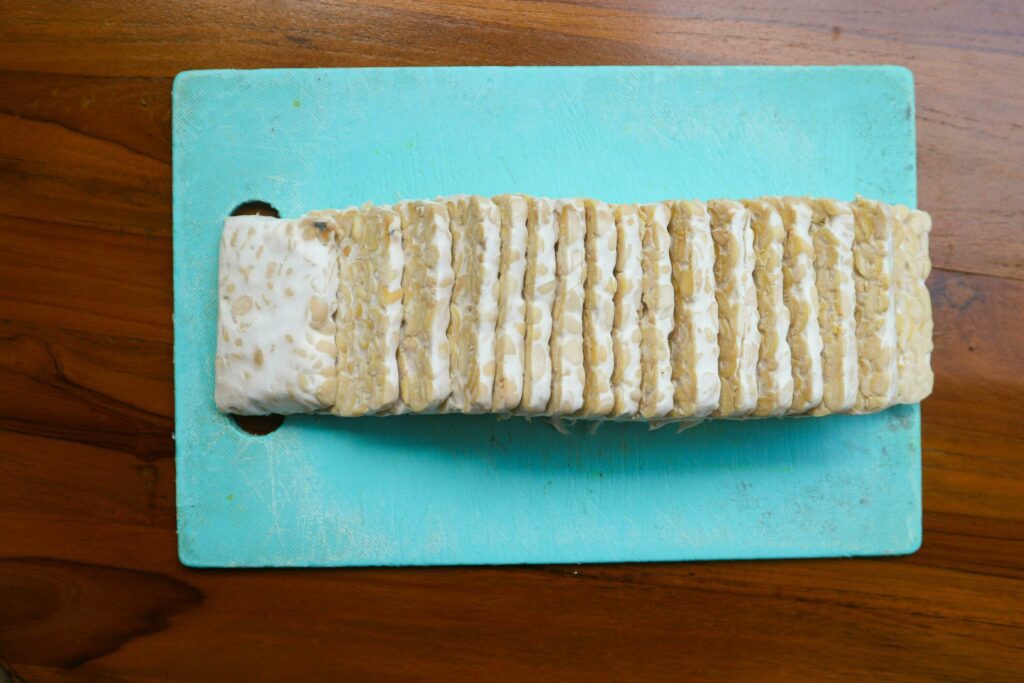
[{"x": 90, "y": 585}]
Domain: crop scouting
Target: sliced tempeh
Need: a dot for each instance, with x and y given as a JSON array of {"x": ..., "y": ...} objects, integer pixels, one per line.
[
  {"x": 599, "y": 309},
  {"x": 510, "y": 329},
  {"x": 476, "y": 235},
  {"x": 539, "y": 287},
  {"x": 657, "y": 391},
  {"x": 774, "y": 366},
  {"x": 370, "y": 267},
  {"x": 913, "y": 304},
  {"x": 626, "y": 334},
  {"x": 567, "y": 374},
  {"x": 801, "y": 295},
  {"x": 694, "y": 339},
  {"x": 423, "y": 353},
  {"x": 832, "y": 234},
  {"x": 275, "y": 346},
  {"x": 876, "y": 306},
  {"x": 738, "y": 336}
]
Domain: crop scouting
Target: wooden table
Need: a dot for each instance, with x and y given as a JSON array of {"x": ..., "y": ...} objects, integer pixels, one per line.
[{"x": 90, "y": 585}]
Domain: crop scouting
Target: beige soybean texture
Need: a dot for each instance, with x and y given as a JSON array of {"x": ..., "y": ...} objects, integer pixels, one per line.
[
  {"x": 774, "y": 365},
  {"x": 876, "y": 305},
  {"x": 427, "y": 278},
  {"x": 693, "y": 342},
  {"x": 801, "y": 296},
  {"x": 738, "y": 337},
  {"x": 832, "y": 228},
  {"x": 370, "y": 267},
  {"x": 567, "y": 371},
  {"x": 656, "y": 389},
  {"x": 601, "y": 245},
  {"x": 540, "y": 283},
  {"x": 626, "y": 334},
  {"x": 476, "y": 235},
  {"x": 913, "y": 304},
  {"x": 510, "y": 329}
]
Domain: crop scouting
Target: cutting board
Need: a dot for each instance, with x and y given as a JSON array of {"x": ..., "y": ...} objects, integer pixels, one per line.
[{"x": 424, "y": 490}]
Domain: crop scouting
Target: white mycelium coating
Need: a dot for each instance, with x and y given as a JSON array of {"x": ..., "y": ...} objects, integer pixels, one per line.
[{"x": 275, "y": 342}]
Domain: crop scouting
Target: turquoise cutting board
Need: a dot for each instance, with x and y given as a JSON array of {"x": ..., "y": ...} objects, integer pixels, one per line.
[{"x": 418, "y": 490}]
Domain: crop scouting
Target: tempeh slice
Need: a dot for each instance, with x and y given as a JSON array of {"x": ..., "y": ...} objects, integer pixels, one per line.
[
  {"x": 876, "y": 306},
  {"x": 738, "y": 337},
  {"x": 567, "y": 373},
  {"x": 275, "y": 344},
  {"x": 476, "y": 235},
  {"x": 370, "y": 267},
  {"x": 601, "y": 245},
  {"x": 774, "y": 365}
]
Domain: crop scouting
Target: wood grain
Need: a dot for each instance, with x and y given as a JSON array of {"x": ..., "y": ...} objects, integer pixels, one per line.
[{"x": 90, "y": 586}]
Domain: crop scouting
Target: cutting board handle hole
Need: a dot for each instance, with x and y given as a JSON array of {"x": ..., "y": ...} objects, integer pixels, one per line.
[
  {"x": 256, "y": 207},
  {"x": 258, "y": 425}
]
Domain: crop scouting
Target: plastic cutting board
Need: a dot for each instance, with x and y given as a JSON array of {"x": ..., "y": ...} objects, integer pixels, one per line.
[{"x": 418, "y": 490}]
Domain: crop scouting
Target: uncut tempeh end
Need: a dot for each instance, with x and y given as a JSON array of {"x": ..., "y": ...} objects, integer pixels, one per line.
[
  {"x": 693, "y": 342},
  {"x": 567, "y": 373},
  {"x": 876, "y": 306},
  {"x": 913, "y": 304},
  {"x": 510, "y": 329},
  {"x": 601, "y": 245},
  {"x": 738, "y": 336},
  {"x": 656, "y": 389},
  {"x": 801, "y": 296},
  {"x": 370, "y": 267},
  {"x": 476, "y": 250},
  {"x": 275, "y": 341},
  {"x": 540, "y": 283},
  {"x": 423, "y": 352},
  {"x": 774, "y": 365},
  {"x": 832, "y": 228},
  {"x": 626, "y": 334}
]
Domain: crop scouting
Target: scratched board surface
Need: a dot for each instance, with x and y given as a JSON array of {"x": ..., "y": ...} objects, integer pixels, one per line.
[{"x": 414, "y": 490}]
